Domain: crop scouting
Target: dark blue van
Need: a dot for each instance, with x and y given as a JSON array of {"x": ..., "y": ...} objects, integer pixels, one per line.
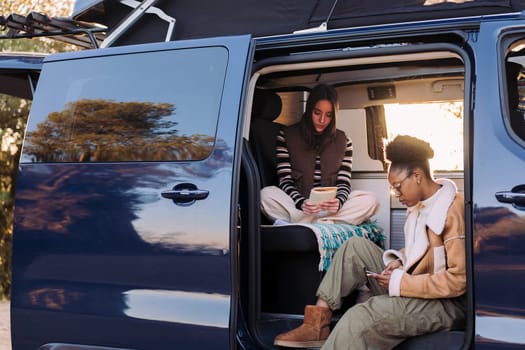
[{"x": 138, "y": 222}]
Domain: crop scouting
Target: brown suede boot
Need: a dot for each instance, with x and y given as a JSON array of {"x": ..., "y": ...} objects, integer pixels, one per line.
[{"x": 312, "y": 333}]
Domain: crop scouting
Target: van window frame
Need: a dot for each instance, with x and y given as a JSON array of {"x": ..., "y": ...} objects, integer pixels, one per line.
[
  {"x": 259, "y": 69},
  {"x": 175, "y": 126},
  {"x": 504, "y": 43}
]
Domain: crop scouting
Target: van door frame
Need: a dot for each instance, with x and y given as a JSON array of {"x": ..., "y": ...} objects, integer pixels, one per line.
[{"x": 267, "y": 45}]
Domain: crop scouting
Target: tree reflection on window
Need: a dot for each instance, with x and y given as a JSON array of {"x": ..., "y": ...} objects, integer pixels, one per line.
[{"x": 103, "y": 131}]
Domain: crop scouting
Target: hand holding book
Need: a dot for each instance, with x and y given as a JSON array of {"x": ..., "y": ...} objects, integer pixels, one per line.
[{"x": 319, "y": 195}]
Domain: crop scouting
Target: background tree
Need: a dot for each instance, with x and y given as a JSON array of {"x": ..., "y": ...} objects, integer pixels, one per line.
[
  {"x": 13, "y": 116},
  {"x": 60, "y": 8}
]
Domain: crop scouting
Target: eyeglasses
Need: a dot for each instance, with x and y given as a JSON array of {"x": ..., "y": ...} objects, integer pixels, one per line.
[{"x": 395, "y": 189}]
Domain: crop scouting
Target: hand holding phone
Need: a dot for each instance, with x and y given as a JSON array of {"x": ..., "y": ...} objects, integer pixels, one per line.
[
  {"x": 371, "y": 273},
  {"x": 382, "y": 278}
]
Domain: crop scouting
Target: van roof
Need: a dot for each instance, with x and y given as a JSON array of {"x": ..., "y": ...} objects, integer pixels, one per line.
[
  {"x": 209, "y": 18},
  {"x": 91, "y": 20},
  {"x": 88, "y": 10}
]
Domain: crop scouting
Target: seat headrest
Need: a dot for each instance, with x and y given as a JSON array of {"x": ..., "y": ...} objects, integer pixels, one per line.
[
  {"x": 513, "y": 69},
  {"x": 267, "y": 105}
]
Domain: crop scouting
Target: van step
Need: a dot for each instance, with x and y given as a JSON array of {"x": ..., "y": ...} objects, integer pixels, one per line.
[{"x": 435, "y": 341}]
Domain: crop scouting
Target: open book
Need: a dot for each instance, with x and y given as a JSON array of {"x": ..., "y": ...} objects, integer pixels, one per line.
[{"x": 321, "y": 194}]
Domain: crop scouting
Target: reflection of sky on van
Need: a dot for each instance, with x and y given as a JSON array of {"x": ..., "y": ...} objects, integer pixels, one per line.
[
  {"x": 160, "y": 221},
  {"x": 432, "y": 123},
  {"x": 504, "y": 329},
  {"x": 182, "y": 307}
]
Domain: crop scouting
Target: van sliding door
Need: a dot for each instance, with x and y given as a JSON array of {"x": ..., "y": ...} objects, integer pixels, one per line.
[{"x": 124, "y": 199}]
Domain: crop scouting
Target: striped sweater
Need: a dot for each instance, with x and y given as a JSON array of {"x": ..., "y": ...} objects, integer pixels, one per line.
[{"x": 286, "y": 182}]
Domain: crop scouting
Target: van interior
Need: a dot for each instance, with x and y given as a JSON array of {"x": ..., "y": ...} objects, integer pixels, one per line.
[{"x": 390, "y": 91}]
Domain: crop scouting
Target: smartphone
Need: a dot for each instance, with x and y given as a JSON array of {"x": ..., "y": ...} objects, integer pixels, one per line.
[{"x": 371, "y": 273}]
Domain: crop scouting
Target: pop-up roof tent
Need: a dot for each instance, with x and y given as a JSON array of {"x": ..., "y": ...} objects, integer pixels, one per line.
[
  {"x": 204, "y": 18},
  {"x": 120, "y": 22}
]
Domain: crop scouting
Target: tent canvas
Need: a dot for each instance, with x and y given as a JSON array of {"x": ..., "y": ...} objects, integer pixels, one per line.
[{"x": 205, "y": 18}]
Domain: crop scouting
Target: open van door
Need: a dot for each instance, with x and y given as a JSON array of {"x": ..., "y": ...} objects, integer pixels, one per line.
[{"x": 125, "y": 214}]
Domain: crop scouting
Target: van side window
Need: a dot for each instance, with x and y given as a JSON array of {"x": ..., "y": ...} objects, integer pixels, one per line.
[
  {"x": 515, "y": 88},
  {"x": 439, "y": 123},
  {"x": 115, "y": 108}
]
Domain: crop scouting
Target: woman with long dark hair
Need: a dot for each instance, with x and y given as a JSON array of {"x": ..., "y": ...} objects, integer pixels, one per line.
[{"x": 315, "y": 154}]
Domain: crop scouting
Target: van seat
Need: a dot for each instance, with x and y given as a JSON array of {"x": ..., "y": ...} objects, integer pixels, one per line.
[
  {"x": 290, "y": 255},
  {"x": 266, "y": 108}
]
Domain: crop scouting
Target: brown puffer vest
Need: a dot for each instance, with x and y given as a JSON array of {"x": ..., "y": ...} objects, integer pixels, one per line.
[{"x": 302, "y": 158}]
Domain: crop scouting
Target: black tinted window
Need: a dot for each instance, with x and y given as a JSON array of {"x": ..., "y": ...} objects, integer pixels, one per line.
[
  {"x": 515, "y": 88},
  {"x": 157, "y": 106}
]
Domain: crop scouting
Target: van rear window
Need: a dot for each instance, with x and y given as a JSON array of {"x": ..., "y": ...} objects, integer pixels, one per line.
[
  {"x": 155, "y": 106},
  {"x": 514, "y": 87}
]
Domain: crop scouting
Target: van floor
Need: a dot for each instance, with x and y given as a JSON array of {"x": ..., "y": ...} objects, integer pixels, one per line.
[{"x": 270, "y": 325}]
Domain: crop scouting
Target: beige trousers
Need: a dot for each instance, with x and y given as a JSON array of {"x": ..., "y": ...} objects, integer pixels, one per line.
[
  {"x": 359, "y": 207},
  {"x": 382, "y": 321}
]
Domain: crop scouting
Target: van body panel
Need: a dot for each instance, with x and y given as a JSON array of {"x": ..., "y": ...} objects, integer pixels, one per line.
[
  {"x": 135, "y": 263},
  {"x": 499, "y": 228}
]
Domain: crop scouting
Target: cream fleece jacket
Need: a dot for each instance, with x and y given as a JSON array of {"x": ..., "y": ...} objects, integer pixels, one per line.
[{"x": 434, "y": 264}]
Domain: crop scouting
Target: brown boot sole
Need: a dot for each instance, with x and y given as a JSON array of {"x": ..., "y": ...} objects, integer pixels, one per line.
[{"x": 299, "y": 344}]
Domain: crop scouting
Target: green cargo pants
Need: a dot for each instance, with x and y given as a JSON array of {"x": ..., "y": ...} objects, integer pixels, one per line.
[{"x": 382, "y": 322}]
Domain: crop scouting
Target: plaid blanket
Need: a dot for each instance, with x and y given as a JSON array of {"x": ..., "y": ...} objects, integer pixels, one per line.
[{"x": 331, "y": 236}]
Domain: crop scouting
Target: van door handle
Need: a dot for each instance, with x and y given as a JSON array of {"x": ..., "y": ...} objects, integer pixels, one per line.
[
  {"x": 185, "y": 194},
  {"x": 516, "y": 197}
]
